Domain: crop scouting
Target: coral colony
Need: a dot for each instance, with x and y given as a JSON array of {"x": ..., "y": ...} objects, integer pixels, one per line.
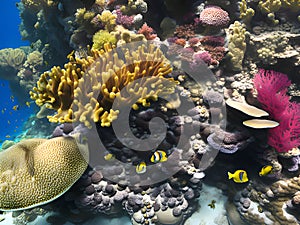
[
  {"x": 145, "y": 108},
  {"x": 272, "y": 94}
]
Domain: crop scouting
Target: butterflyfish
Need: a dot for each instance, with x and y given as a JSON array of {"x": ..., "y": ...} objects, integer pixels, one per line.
[
  {"x": 266, "y": 170},
  {"x": 159, "y": 156},
  {"x": 239, "y": 176},
  {"x": 141, "y": 168}
]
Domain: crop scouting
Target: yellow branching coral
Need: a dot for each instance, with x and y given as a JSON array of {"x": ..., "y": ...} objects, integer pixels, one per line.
[
  {"x": 246, "y": 13},
  {"x": 272, "y": 6},
  {"x": 86, "y": 89},
  {"x": 237, "y": 44},
  {"x": 55, "y": 89},
  {"x": 103, "y": 82},
  {"x": 108, "y": 19}
]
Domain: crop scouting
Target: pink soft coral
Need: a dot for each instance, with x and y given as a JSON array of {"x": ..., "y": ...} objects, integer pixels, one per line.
[
  {"x": 287, "y": 135},
  {"x": 271, "y": 89}
]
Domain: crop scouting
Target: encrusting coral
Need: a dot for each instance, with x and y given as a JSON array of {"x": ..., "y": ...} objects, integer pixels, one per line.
[{"x": 101, "y": 82}]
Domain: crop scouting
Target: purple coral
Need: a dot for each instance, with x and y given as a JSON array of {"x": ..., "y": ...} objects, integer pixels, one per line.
[
  {"x": 202, "y": 56},
  {"x": 126, "y": 21}
]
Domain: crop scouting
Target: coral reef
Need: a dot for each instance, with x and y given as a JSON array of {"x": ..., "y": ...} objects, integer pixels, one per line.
[{"x": 203, "y": 69}]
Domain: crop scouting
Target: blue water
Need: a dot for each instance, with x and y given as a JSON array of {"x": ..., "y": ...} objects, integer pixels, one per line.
[{"x": 11, "y": 120}]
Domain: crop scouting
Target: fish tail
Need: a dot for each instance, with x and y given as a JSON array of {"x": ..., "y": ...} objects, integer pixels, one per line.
[{"x": 230, "y": 175}]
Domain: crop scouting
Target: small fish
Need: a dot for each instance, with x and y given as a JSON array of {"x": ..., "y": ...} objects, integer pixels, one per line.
[
  {"x": 141, "y": 168},
  {"x": 46, "y": 63},
  {"x": 159, "y": 156},
  {"x": 239, "y": 176},
  {"x": 266, "y": 170},
  {"x": 8, "y": 121},
  {"x": 7, "y": 136},
  {"x": 15, "y": 107},
  {"x": 212, "y": 204},
  {"x": 2, "y": 111},
  {"x": 12, "y": 98},
  {"x": 109, "y": 157},
  {"x": 28, "y": 104}
]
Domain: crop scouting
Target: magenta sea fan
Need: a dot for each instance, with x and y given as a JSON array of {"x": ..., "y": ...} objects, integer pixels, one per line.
[
  {"x": 271, "y": 89},
  {"x": 287, "y": 135}
]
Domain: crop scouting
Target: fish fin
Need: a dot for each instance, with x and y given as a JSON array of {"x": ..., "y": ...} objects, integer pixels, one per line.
[
  {"x": 164, "y": 158},
  {"x": 230, "y": 175},
  {"x": 152, "y": 159},
  {"x": 29, "y": 160}
]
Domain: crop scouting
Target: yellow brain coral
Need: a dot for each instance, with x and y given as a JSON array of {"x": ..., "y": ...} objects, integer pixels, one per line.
[
  {"x": 103, "y": 74},
  {"x": 36, "y": 171}
]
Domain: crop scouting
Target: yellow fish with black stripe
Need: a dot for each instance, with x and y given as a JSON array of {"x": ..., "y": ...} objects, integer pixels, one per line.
[
  {"x": 159, "y": 156},
  {"x": 266, "y": 170},
  {"x": 239, "y": 176},
  {"x": 141, "y": 168}
]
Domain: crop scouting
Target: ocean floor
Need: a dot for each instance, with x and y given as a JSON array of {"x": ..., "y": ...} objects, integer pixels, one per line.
[{"x": 204, "y": 216}]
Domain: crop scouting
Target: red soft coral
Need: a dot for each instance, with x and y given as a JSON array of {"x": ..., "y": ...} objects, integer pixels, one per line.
[{"x": 271, "y": 89}]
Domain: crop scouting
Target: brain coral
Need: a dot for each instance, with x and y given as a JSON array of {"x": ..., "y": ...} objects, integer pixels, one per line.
[
  {"x": 214, "y": 16},
  {"x": 36, "y": 171},
  {"x": 86, "y": 89}
]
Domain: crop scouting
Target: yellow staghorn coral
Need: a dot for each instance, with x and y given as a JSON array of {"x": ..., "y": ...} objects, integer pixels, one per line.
[{"x": 86, "y": 89}]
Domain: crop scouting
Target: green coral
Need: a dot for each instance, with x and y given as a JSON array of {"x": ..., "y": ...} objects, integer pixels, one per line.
[
  {"x": 237, "y": 44},
  {"x": 102, "y": 37}
]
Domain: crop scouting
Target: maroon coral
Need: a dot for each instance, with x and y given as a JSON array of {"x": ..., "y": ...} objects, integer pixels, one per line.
[
  {"x": 214, "y": 16},
  {"x": 126, "y": 21}
]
